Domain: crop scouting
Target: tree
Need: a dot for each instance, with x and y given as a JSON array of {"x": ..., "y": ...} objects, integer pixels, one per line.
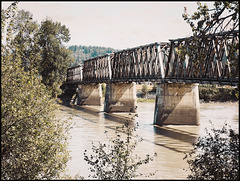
[
  {"x": 25, "y": 39},
  {"x": 115, "y": 161},
  {"x": 205, "y": 23},
  {"x": 215, "y": 156},
  {"x": 41, "y": 48},
  {"x": 55, "y": 58},
  {"x": 224, "y": 17},
  {"x": 33, "y": 142}
]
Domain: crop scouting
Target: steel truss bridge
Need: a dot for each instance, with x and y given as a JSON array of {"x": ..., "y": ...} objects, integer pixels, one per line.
[{"x": 163, "y": 62}]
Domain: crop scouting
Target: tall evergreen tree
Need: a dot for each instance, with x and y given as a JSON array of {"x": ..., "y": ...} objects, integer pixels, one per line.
[
  {"x": 55, "y": 58},
  {"x": 25, "y": 30}
]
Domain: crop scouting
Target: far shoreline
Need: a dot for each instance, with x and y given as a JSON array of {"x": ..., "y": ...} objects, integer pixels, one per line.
[{"x": 142, "y": 100}]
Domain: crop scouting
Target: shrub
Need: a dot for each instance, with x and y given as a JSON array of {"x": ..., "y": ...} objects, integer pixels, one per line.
[
  {"x": 212, "y": 93},
  {"x": 115, "y": 160},
  {"x": 33, "y": 142},
  {"x": 215, "y": 156}
]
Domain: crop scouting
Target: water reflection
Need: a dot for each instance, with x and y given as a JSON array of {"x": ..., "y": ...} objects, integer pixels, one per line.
[
  {"x": 173, "y": 133},
  {"x": 169, "y": 142}
]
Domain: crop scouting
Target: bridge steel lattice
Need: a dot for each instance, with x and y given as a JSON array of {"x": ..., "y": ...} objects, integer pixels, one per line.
[{"x": 161, "y": 62}]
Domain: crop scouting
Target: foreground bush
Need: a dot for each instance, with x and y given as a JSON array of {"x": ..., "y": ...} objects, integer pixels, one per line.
[
  {"x": 33, "y": 142},
  {"x": 215, "y": 156},
  {"x": 115, "y": 160}
]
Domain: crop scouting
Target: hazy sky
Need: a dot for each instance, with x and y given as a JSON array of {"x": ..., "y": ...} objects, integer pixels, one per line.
[{"x": 119, "y": 25}]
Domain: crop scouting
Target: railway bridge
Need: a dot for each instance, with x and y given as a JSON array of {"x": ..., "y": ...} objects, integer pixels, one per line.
[{"x": 176, "y": 70}]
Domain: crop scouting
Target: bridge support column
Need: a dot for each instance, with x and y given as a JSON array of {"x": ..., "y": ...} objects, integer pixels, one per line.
[
  {"x": 90, "y": 94},
  {"x": 120, "y": 97},
  {"x": 177, "y": 104}
]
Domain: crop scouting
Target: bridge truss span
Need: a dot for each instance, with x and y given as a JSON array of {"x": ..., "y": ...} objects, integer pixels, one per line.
[
  {"x": 144, "y": 63},
  {"x": 97, "y": 70},
  {"x": 216, "y": 62}
]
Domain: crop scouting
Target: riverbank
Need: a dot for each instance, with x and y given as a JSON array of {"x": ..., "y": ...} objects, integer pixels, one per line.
[
  {"x": 207, "y": 93},
  {"x": 213, "y": 93},
  {"x": 201, "y": 101},
  {"x": 139, "y": 99}
]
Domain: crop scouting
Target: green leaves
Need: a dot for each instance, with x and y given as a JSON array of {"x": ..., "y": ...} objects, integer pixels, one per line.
[
  {"x": 33, "y": 142},
  {"x": 215, "y": 156},
  {"x": 39, "y": 47},
  {"x": 55, "y": 59},
  {"x": 205, "y": 23},
  {"x": 116, "y": 160},
  {"x": 223, "y": 17}
]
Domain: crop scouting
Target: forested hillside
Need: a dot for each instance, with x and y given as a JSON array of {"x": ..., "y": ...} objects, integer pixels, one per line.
[{"x": 82, "y": 53}]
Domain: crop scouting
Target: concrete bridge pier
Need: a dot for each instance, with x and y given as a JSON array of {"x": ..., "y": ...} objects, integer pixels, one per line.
[
  {"x": 90, "y": 94},
  {"x": 120, "y": 97},
  {"x": 177, "y": 104}
]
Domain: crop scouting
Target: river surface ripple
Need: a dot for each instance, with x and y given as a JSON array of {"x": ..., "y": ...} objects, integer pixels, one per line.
[{"x": 169, "y": 142}]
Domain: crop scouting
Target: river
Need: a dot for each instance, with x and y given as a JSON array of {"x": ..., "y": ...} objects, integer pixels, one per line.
[{"x": 169, "y": 142}]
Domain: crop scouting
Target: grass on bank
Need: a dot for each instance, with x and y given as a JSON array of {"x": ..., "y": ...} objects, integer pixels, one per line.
[{"x": 139, "y": 99}]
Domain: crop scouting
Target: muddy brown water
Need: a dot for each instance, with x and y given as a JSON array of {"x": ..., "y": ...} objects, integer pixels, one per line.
[{"x": 169, "y": 142}]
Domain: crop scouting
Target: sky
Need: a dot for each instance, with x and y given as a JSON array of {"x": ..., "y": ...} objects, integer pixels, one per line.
[{"x": 115, "y": 24}]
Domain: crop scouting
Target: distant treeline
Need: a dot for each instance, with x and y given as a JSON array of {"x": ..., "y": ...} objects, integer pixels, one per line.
[{"x": 82, "y": 53}]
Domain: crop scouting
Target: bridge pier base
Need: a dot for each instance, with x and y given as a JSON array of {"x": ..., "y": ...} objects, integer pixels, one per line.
[
  {"x": 177, "y": 104},
  {"x": 120, "y": 97},
  {"x": 90, "y": 94}
]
